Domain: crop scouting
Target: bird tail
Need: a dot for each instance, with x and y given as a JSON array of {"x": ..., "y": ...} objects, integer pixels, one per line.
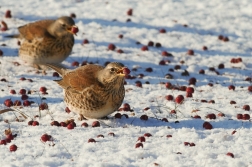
[{"x": 12, "y": 36}]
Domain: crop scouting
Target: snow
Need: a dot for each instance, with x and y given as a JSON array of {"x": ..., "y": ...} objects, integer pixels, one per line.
[{"x": 101, "y": 22}]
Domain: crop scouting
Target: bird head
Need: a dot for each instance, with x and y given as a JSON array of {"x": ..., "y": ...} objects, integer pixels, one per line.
[
  {"x": 113, "y": 72},
  {"x": 63, "y": 26}
]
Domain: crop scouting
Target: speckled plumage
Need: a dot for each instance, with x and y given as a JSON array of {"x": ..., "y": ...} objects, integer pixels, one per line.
[
  {"x": 46, "y": 41},
  {"x": 92, "y": 90}
]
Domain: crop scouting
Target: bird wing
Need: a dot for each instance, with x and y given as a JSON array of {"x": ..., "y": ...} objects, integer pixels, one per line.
[
  {"x": 79, "y": 79},
  {"x": 34, "y": 30}
]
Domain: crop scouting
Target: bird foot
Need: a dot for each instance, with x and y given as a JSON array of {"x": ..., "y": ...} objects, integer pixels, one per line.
[{"x": 81, "y": 118}]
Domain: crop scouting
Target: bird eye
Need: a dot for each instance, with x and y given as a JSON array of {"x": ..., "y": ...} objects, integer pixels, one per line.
[
  {"x": 112, "y": 70},
  {"x": 63, "y": 25}
]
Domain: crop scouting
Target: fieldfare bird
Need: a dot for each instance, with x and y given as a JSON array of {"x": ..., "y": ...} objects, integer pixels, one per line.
[
  {"x": 46, "y": 41},
  {"x": 93, "y": 91}
]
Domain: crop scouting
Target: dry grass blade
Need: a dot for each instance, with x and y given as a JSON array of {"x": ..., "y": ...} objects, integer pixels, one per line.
[{"x": 9, "y": 109}]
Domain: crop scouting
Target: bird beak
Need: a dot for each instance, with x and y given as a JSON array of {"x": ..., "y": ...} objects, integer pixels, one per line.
[
  {"x": 73, "y": 30},
  {"x": 120, "y": 72},
  {"x": 123, "y": 71}
]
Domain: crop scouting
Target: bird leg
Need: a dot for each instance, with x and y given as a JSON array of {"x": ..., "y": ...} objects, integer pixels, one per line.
[{"x": 81, "y": 118}]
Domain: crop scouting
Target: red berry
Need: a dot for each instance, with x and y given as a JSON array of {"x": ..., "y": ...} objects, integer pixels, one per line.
[
  {"x": 221, "y": 66},
  {"x": 8, "y": 14},
  {"x": 147, "y": 135},
  {"x": 246, "y": 117},
  {"x": 192, "y": 144},
  {"x": 9, "y": 137},
  {"x": 139, "y": 84},
  {"x": 164, "y": 120},
  {"x": 55, "y": 123},
  {"x": 45, "y": 137},
  {"x": 120, "y": 51},
  {"x": 22, "y": 91},
  {"x": 43, "y": 106},
  {"x": 158, "y": 45},
  {"x": 13, "y": 147},
  {"x": 126, "y": 107},
  {"x": 42, "y": 89},
  {"x": 189, "y": 95},
  {"x": 74, "y": 29},
  {"x": 24, "y": 97},
  {"x": 162, "y": 62},
  {"x": 130, "y": 12},
  {"x": 2, "y": 142},
  {"x": 201, "y": 71},
  {"x": 230, "y": 154},
  {"x": 84, "y": 124},
  {"x": 162, "y": 30},
  {"x": 70, "y": 126},
  {"x": 225, "y": 39},
  {"x": 246, "y": 107},
  {"x": 190, "y": 52},
  {"x": 168, "y": 85},
  {"x": 173, "y": 112},
  {"x": 168, "y": 136},
  {"x": 26, "y": 103},
  {"x": 190, "y": 90},
  {"x": 207, "y": 125},
  {"x": 211, "y": 116},
  {"x": 111, "y": 47},
  {"x": 120, "y": 36},
  {"x": 231, "y": 87},
  {"x": 149, "y": 69},
  {"x": 22, "y": 79},
  {"x": 75, "y": 64},
  {"x": 150, "y": 43},
  {"x": 85, "y": 41},
  {"x": 111, "y": 134},
  {"x": 221, "y": 114},
  {"x": 91, "y": 140},
  {"x": 179, "y": 99},
  {"x": 63, "y": 124},
  {"x": 186, "y": 143},
  {"x": 35, "y": 123},
  {"x": 118, "y": 115},
  {"x": 141, "y": 139},
  {"x": 100, "y": 136},
  {"x": 96, "y": 124},
  {"x": 12, "y": 91},
  {"x": 8, "y": 103},
  {"x": 169, "y": 97},
  {"x": 232, "y": 102},
  {"x": 73, "y": 15},
  {"x": 139, "y": 145},
  {"x": 250, "y": 88},
  {"x": 30, "y": 123},
  {"x": 144, "y": 48},
  {"x": 220, "y": 37},
  {"x": 233, "y": 132},
  {"x": 144, "y": 117},
  {"x": 166, "y": 54},
  {"x": 239, "y": 116},
  {"x": 126, "y": 71},
  {"x": 192, "y": 81},
  {"x": 197, "y": 117},
  {"x": 67, "y": 110},
  {"x": 204, "y": 48}
]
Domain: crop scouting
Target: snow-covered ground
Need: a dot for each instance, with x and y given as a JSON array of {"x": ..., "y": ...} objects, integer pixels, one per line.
[{"x": 189, "y": 25}]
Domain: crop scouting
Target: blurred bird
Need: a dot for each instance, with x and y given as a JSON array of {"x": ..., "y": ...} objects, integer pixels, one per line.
[
  {"x": 93, "y": 91},
  {"x": 46, "y": 41}
]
